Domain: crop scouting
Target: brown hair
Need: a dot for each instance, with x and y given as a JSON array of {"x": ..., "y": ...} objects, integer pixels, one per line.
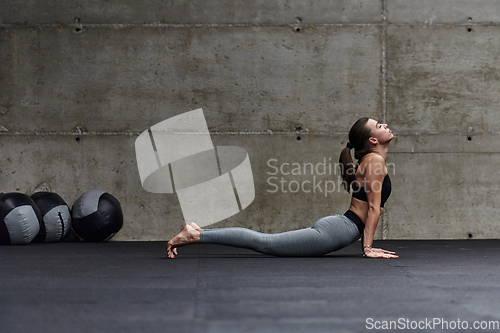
[{"x": 358, "y": 138}]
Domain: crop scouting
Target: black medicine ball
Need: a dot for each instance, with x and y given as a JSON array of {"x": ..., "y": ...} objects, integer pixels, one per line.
[
  {"x": 55, "y": 216},
  {"x": 20, "y": 219},
  {"x": 96, "y": 216}
]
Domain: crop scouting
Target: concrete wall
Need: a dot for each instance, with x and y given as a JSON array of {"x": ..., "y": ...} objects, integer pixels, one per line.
[{"x": 79, "y": 80}]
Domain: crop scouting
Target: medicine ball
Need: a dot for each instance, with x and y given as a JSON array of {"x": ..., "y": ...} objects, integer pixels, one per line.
[
  {"x": 96, "y": 216},
  {"x": 20, "y": 219},
  {"x": 55, "y": 216}
]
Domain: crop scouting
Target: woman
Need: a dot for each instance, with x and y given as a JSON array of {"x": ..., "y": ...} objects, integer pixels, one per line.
[{"x": 371, "y": 187}]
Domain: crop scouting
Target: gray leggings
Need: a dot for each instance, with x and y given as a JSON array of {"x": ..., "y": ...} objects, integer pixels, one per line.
[{"x": 329, "y": 233}]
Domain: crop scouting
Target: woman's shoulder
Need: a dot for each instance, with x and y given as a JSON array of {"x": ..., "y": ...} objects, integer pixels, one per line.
[
  {"x": 372, "y": 163},
  {"x": 372, "y": 158}
]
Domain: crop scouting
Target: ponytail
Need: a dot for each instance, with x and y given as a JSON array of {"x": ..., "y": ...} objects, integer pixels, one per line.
[
  {"x": 358, "y": 139},
  {"x": 347, "y": 169}
]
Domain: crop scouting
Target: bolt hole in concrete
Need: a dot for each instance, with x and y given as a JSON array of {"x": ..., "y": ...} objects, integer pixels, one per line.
[
  {"x": 469, "y": 138},
  {"x": 298, "y": 138},
  {"x": 470, "y": 235},
  {"x": 77, "y": 138},
  {"x": 78, "y": 29},
  {"x": 469, "y": 29},
  {"x": 297, "y": 29}
]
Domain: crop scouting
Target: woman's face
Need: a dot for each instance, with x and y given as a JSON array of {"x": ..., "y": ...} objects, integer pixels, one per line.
[{"x": 380, "y": 131}]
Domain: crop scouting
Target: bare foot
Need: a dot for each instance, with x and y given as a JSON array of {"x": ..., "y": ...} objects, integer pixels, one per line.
[
  {"x": 194, "y": 225},
  {"x": 188, "y": 235}
]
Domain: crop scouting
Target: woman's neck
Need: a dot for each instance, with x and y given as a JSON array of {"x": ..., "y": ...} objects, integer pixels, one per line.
[{"x": 382, "y": 150}]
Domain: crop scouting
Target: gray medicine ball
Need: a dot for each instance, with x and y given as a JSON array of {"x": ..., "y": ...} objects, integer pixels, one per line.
[
  {"x": 20, "y": 219},
  {"x": 96, "y": 216},
  {"x": 56, "y": 217}
]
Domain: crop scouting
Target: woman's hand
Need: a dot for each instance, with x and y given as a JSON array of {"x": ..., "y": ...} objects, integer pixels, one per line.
[
  {"x": 379, "y": 253},
  {"x": 383, "y": 251}
]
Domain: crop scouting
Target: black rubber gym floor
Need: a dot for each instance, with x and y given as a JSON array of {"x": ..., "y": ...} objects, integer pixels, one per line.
[{"x": 134, "y": 287}]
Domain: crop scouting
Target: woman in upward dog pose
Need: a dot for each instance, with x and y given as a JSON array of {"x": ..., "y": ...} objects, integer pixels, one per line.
[{"x": 371, "y": 186}]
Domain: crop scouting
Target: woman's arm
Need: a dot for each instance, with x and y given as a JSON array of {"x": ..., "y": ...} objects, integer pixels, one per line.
[{"x": 374, "y": 174}]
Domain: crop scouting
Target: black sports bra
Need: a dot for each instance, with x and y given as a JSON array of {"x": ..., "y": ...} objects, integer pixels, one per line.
[{"x": 360, "y": 193}]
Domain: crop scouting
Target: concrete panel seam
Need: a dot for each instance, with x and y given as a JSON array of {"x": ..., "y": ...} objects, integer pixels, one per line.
[
  {"x": 445, "y": 24},
  {"x": 421, "y": 152},
  {"x": 384, "y": 62},
  {"x": 292, "y": 133},
  {"x": 181, "y": 26},
  {"x": 137, "y": 133},
  {"x": 69, "y": 134},
  {"x": 419, "y": 134},
  {"x": 385, "y": 228},
  {"x": 238, "y": 25}
]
